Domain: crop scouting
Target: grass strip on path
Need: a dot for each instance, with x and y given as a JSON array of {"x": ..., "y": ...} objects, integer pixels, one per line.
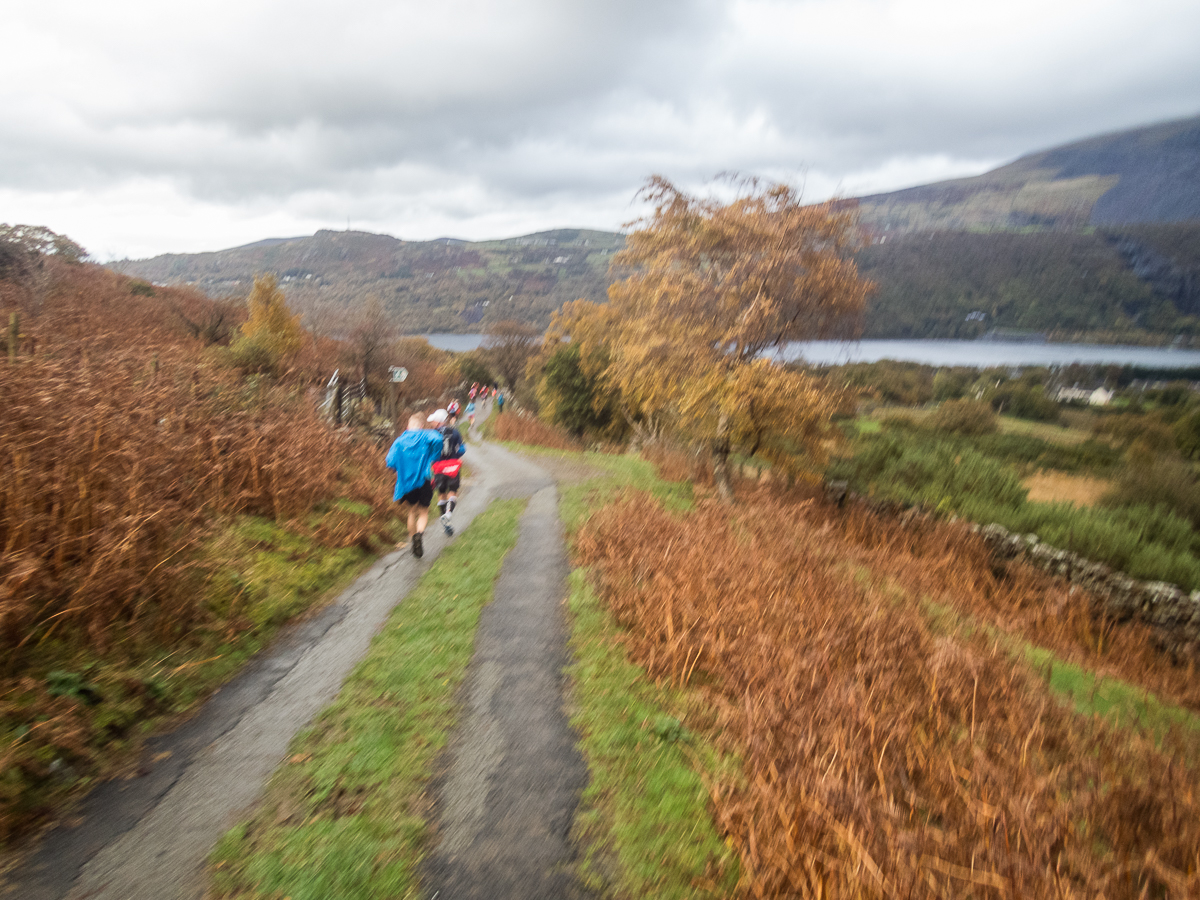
[{"x": 345, "y": 816}]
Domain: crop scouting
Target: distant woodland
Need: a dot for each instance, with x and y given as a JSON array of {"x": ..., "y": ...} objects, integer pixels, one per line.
[{"x": 1133, "y": 284}]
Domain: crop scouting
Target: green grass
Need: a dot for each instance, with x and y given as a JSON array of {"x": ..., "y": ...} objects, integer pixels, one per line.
[
  {"x": 620, "y": 470},
  {"x": 1118, "y": 701},
  {"x": 271, "y": 573},
  {"x": 345, "y": 817},
  {"x": 1087, "y": 692},
  {"x": 644, "y": 819},
  {"x": 623, "y": 470},
  {"x": 1054, "y": 434}
]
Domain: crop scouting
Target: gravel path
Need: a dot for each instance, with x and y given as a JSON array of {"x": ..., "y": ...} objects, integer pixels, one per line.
[{"x": 148, "y": 837}]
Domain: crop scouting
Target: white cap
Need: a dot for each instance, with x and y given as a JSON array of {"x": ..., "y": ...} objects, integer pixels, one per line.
[{"x": 438, "y": 416}]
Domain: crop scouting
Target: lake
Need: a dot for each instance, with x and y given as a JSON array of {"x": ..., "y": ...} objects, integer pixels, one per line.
[{"x": 978, "y": 354}]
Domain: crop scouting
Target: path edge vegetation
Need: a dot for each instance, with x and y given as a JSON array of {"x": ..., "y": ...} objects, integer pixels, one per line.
[
  {"x": 645, "y": 822},
  {"x": 259, "y": 572},
  {"x": 1097, "y": 698}
]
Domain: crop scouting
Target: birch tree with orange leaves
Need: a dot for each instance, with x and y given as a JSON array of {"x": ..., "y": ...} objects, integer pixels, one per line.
[{"x": 713, "y": 288}]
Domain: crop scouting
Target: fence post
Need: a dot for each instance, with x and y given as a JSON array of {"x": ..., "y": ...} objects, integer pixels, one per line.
[{"x": 337, "y": 404}]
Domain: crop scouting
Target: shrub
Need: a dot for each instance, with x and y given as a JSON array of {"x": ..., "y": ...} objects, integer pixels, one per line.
[
  {"x": 1022, "y": 450},
  {"x": 1186, "y": 435},
  {"x": 908, "y": 384},
  {"x": 526, "y": 429},
  {"x": 939, "y": 474},
  {"x": 951, "y": 384},
  {"x": 252, "y": 356},
  {"x": 1165, "y": 482},
  {"x": 968, "y": 417},
  {"x": 1147, "y": 429},
  {"x": 1146, "y": 540},
  {"x": 1025, "y": 402}
]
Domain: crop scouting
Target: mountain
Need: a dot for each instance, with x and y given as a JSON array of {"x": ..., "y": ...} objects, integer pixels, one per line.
[
  {"x": 1096, "y": 239},
  {"x": 1139, "y": 176},
  {"x": 441, "y": 285}
]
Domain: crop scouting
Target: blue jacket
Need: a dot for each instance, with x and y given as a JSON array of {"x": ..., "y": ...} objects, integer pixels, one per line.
[{"x": 411, "y": 456}]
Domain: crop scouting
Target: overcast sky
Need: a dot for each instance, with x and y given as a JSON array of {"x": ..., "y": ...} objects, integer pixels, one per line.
[{"x": 139, "y": 127}]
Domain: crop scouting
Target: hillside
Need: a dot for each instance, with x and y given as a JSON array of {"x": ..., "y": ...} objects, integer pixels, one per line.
[
  {"x": 1097, "y": 239},
  {"x": 1124, "y": 284},
  {"x": 1144, "y": 175},
  {"x": 441, "y": 285}
]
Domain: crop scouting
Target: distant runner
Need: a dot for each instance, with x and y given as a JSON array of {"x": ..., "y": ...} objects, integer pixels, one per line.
[
  {"x": 471, "y": 413},
  {"x": 446, "y": 471}
]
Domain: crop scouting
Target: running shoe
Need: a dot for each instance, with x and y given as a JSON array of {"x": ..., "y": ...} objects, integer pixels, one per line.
[
  {"x": 418, "y": 549},
  {"x": 447, "y": 527}
]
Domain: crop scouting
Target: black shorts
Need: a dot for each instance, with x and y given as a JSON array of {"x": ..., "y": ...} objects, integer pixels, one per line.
[
  {"x": 446, "y": 483},
  {"x": 420, "y": 496}
]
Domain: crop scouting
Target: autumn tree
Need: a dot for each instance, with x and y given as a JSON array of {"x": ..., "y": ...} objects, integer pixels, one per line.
[
  {"x": 712, "y": 289},
  {"x": 37, "y": 240},
  {"x": 271, "y": 334},
  {"x": 23, "y": 252},
  {"x": 508, "y": 346},
  {"x": 370, "y": 343}
]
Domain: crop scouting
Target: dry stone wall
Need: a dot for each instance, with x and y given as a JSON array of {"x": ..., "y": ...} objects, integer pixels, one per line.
[{"x": 1171, "y": 611}]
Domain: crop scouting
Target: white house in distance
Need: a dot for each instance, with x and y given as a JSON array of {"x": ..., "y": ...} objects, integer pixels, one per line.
[{"x": 1100, "y": 396}]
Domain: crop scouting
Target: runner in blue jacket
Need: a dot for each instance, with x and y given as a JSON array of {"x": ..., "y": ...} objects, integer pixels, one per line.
[{"x": 411, "y": 457}]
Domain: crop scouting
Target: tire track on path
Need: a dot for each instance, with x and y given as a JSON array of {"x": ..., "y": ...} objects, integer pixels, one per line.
[{"x": 513, "y": 773}]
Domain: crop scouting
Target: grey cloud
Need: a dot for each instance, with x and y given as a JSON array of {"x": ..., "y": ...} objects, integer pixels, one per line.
[
  {"x": 562, "y": 106},
  {"x": 250, "y": 126}
]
